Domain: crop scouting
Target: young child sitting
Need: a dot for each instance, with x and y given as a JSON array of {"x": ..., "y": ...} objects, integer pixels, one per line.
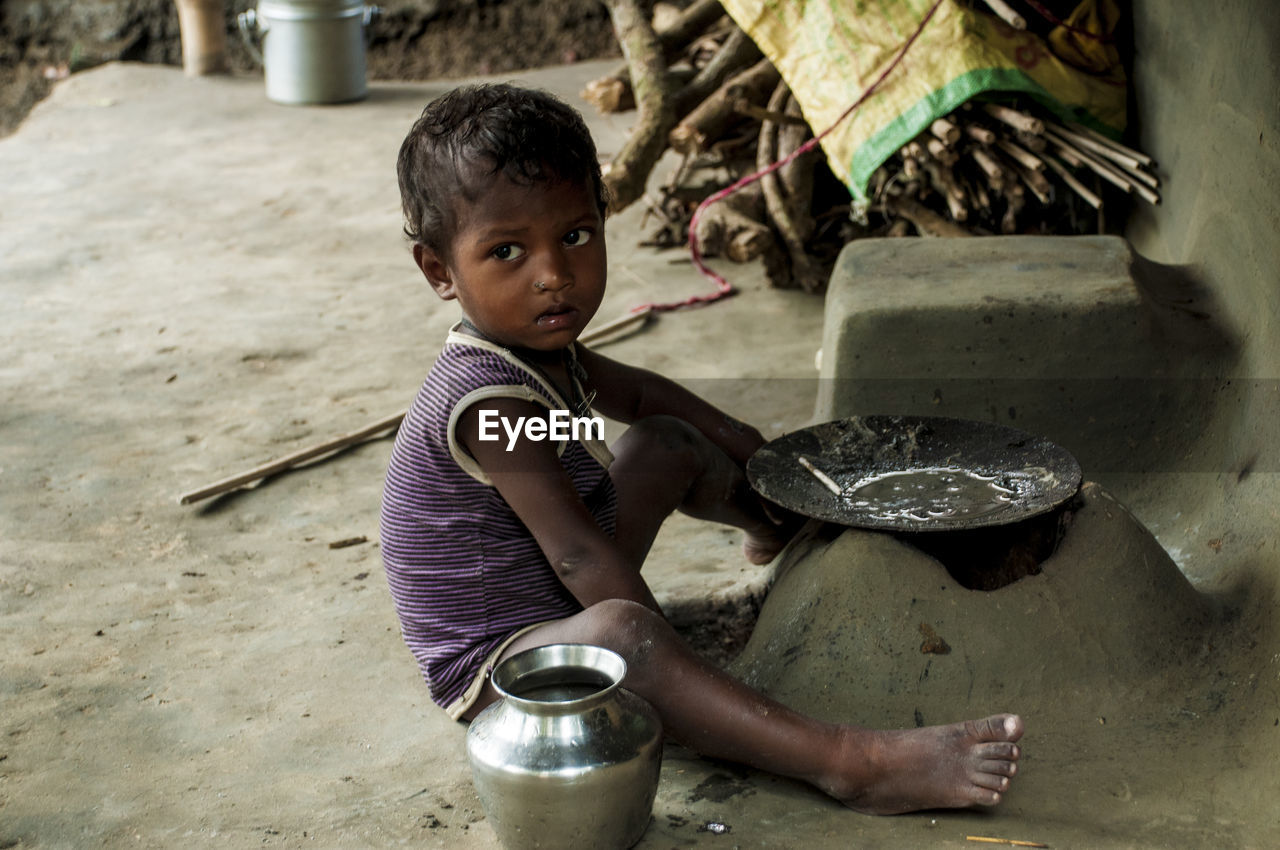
[{"x": 495, "y": 541}]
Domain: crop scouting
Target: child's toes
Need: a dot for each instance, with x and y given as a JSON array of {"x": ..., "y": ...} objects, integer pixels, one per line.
[
  {"x": 998, "y": 768},
  {"x": 998, "y": 751},
  {"x": 990, "y": 781}
]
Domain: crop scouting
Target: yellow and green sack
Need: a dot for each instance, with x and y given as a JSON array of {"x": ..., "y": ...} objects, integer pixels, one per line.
[{"x": 829, "y": 51}]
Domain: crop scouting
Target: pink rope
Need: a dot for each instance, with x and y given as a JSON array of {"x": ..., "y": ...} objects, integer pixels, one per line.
[{"x": 723, "y": 287}]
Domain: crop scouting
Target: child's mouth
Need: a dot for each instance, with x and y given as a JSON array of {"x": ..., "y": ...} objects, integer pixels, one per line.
[{"x": 559, "y": 316}]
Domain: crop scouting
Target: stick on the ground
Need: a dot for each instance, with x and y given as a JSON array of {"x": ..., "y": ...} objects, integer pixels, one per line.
[
  {"x": 1011, "y": 841},
  {"x": 385, "y": 424},
  {"x": 627, "y": 321},
  {"x": 301, "y": 456}
]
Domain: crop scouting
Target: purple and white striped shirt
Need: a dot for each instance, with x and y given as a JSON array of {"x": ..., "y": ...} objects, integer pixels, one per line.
[{"x": 464, "y": 571}]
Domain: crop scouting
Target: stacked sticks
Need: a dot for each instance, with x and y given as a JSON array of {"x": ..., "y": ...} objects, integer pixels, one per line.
[
  {"x": 704, "y": 92},
  {"x": 991, "y": 168}
]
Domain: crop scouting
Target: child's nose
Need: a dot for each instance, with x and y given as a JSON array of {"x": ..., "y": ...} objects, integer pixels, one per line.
[{"x": 556, "y": 272}]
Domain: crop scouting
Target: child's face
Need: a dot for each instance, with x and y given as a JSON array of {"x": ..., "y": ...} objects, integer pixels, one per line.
[{"x": 527, "y": 263}]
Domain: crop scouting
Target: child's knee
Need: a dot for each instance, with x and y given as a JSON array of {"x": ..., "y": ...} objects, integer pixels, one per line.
[
  {"x": 665, "y": 435},
  {"x": 627, "y": 627}
]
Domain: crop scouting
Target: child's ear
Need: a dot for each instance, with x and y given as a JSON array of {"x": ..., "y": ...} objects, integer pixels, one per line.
[{"x": 435, "y": 270}]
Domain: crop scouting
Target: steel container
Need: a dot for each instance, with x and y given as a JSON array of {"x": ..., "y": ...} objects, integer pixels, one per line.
[
  {"x": 567, "y": 758},
  {"x": 313, "y": 51}
]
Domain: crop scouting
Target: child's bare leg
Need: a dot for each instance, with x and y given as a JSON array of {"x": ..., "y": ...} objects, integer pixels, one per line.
[
  {"x": 965, "y": 764},
  {"x": 662, "y": 464}
]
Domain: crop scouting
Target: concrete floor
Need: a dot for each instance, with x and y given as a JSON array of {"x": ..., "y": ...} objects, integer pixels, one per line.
[{"x": 197, "y": 281}]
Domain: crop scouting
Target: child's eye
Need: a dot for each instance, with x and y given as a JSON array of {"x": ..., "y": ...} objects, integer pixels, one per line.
[
  {"x": 577, "y": 236},
  {"x": 507, "y": 252}
]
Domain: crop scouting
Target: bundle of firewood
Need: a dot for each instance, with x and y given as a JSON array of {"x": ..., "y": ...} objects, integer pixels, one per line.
[
  {"x": 990, "y": 168},
  {"x": 703, "y": 90}
]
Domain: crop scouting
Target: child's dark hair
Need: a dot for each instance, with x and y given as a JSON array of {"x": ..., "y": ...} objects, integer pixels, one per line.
[{"x": 529, "y": 136}]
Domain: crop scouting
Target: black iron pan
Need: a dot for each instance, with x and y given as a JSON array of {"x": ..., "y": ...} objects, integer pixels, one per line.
[{"x": 914, "y": 473}]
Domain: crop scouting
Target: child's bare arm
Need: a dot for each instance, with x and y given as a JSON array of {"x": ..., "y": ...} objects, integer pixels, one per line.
[
  {"x": 626, "y": 393},
  {"x": 533, "y": 482}
]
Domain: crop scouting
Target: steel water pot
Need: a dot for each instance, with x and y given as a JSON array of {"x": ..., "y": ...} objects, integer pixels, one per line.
[
  {"x": 567, "y": 758},
  {"x": 313, "y": 51}
]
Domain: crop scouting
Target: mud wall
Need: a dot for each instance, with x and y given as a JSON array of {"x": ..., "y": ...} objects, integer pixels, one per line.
[{"x": 1206, "y": 83}]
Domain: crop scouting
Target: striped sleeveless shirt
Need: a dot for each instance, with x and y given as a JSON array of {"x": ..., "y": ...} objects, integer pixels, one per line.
[{"x": 463, "y": 570}]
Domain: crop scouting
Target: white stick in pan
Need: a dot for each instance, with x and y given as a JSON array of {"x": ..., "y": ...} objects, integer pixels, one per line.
[{"x": 821, "y": 476}]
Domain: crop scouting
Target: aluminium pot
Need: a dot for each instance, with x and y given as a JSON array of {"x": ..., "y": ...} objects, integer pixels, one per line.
[
  {"x": 312, "y": 51},
  {"x": 566, "y": 758}
]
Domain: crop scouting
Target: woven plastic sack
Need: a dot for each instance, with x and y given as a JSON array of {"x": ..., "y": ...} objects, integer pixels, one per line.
[{"x": 829, "y": 51}]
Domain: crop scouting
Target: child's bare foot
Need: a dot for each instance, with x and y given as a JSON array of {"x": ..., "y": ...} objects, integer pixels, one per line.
[
  {"x": 763, "y": 544},
  {"x": 957, "y": 766},
  {"x": 763, "y": 548}
]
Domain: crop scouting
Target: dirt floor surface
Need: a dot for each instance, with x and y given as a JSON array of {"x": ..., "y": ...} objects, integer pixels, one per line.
[
  {"x": 200, "y": 281},
  {"x": 197, "y": 281}
]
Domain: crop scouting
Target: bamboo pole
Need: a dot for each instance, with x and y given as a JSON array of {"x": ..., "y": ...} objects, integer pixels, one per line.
[
  {"x": 945, "y": 130},
  {"x": 1112, "y": 143},
  {"x": 1129, "y": 166},
  {"x": 987, "y": 164},
  {"x": 980, "y": 134},
  {"x": 1102, "y": 169},
  {"x": 1014, "y": 118},
  {"x": 1146, "y": 177},
  {"x": 1095, "y": 147},
  {"x": 1073, "y": 183},
  {"x": 1037, "y": 183},
  {"x": 1020, "y": 155},
  {"x": 939, "y": 151}
]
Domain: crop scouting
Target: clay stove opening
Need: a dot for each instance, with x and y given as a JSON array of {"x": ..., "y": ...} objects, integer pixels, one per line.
[{"x": 996, "y": 556}]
